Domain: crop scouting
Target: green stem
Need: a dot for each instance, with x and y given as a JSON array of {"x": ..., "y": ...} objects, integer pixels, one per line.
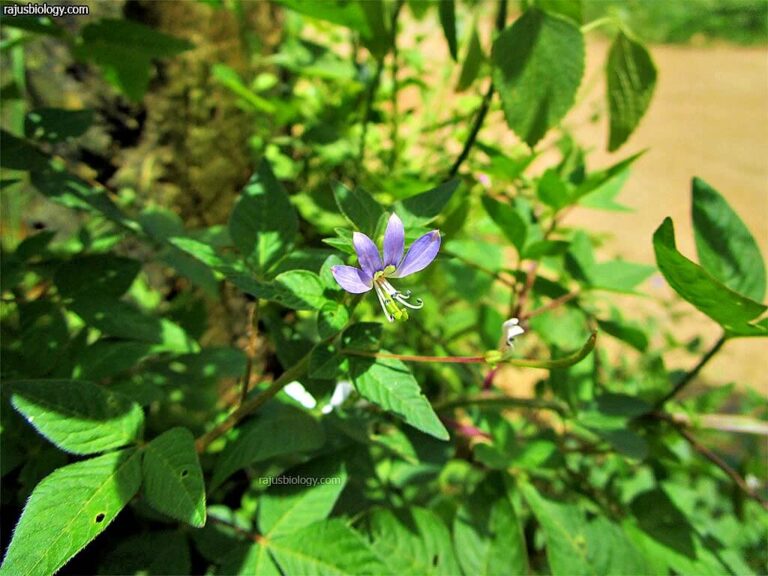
[
  {"x": 371, "y": 97},
  {"x": 501, "y": 402},
  {"x": 417, "y": 358},
  {"x": 689, "y": 376},
  {"x": 250, "y": 406},
  {"x": 589, "y": 26},
  {"x": 485, "y": 105}
]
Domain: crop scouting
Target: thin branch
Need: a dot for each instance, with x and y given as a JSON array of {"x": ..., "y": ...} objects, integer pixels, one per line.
[
  {"x": 485, "y": 105},
  {"x": 252, "y": 332},
  {"x": 552, "y": 304},
  {"x": 370, "y": 98},
  {"x": 250, "y": 406},
  {"x": 495, "y": 275},
  {"x": 500, "y": 402},
  {"x": 723, "y": 465},
  {"x": 417, "y": 358},
  {"x": 689, "y": 376},
  {"x": 395, "y": 127},
  {"x": 721, "y": 422}
]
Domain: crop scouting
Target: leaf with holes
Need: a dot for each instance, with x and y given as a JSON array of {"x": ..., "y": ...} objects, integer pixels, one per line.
[
  {"x": 389, "y": 384},
  {"x": 77, "y": 416},
  {"x": 286, "y": 508},
  {"x": 173, "y": 480},
  {"x": 68, "y": 509}
]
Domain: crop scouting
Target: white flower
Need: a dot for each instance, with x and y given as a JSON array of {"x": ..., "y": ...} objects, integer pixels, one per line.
[
  {"x": 340, "y": 394},
  {"x": 511, "y": 329},
  {"x": 296, "y": 391}
]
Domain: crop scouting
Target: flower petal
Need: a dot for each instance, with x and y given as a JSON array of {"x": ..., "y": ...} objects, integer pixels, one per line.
[
  {"x": 367, "y": 254},
  {"x": 352, "y": 279},
  {"x": 420, "y": 254},
  {"x": 394, "y": 241}
]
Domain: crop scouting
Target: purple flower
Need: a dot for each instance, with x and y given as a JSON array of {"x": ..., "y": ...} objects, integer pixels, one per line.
[{"x": 374, "y": 270}]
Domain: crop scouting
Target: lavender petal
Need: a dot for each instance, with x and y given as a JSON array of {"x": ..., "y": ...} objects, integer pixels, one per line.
[
  {"x": 394, "y": 241},
  {"x": 367, "y": 254},
  {"x": 420, "y": 254},
  {"x": 352, "y": 279}
]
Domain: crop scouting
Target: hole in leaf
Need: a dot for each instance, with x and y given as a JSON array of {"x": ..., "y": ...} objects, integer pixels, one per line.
[
  {"x": 99, "y": 517},
  {"x": 184, "y": 472},
  {"x": 435, "y": 560}
]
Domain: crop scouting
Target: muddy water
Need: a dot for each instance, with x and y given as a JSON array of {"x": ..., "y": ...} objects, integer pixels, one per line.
[{"x": 708, "y": 118}]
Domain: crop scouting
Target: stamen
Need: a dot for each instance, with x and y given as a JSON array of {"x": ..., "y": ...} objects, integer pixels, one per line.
[
  {"x": 400, "y": 298},
  {"x": 382, "y": 298}
]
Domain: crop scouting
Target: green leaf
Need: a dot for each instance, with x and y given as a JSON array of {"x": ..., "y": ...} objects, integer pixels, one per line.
[
  {"x": 631, "y": 78},
  {"x": 155, "y": 552},
  {"x": 413, "y": 542},
  {"x": 725, "y": 246},
  {"x": 630, "y": 334},
  {"x": 18, "y": 154},
  {"x": 231, "y": 80},
  {"x": 77, "y": 416},
  {"x": 331, "y": 319},
  {"x": 565, "y": 533},
  {"x": 297, "y": 289},
  {"x": 123, "y": 320},
  {"x": 508, "y": 220},
  {"x": 173, "y": 480},
  {"x": 447, "y": 12},
  {"x": 388, "y": 383},
  {"x": 285, "y": 508},
  {"x": 68, "y": 509},
  {"x": 552, "y": 190},
  {"x": 538, "y": 65},
  {"x": 341, "y": 12},
  {"x": 124, "y": 50},
  {"x": 56, "y": 124},
  {"x": 612, "y": 552},
  {"x": 255, "y": 560},
  {"x": 329, "y": 547},
  {"x": 569, "y": 8},
  {"x": 364, "y": 336},
  {"x": 488, "y": 536},
  {"x": 325, "y": 362},
  {"x": 694, "y": 284},
  {"x": 421, "y": 209},
  {"x": 281, "y": 429},
  {"x": 470, "y": 68},
  {"x": 96, "y": 274},
  {"x": 358, "y": 207},
  {"x": 263, "y": 223}
]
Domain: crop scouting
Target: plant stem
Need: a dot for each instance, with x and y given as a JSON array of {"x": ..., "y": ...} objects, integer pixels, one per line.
[
  {"x": 690, "y": 375},
  {"x": 501, "y": 18},
  {"x": 495, "y": 275},
  {"x": 250, "y": 406},
  {"x": 394, "y": 134},
  {"x": 370, "y": 98},
  {"x": 417, "y": 358},
  {"x": 500, "y": 402},
  {"x": 723, "y": 465},
  {"x": 552, "y": 304},
  {"x": 252, "y": 331}
]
